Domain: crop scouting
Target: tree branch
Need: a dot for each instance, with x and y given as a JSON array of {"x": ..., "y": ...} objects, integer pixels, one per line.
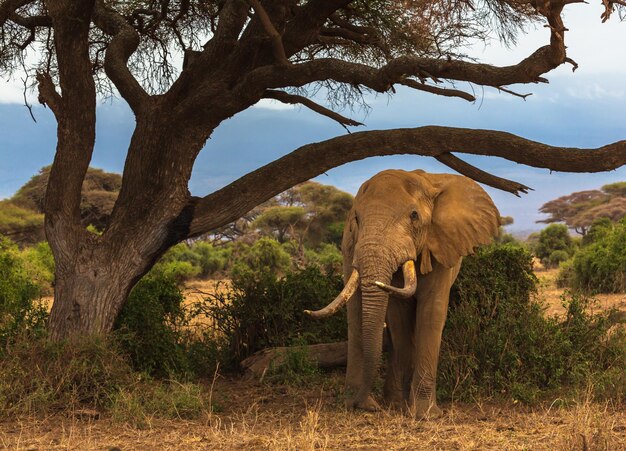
[
  {"x": 124, "y": 43},
  {"x": 48, "y": 94},
  {"x": 481, "y": 176},
  {"x": 239, "y": 197},
  {"x": 437, "y": 90},
  {"x": 277, "y": 43},
  {"x": 293, "y": 99},
  {"x": 8, "y": 7}
]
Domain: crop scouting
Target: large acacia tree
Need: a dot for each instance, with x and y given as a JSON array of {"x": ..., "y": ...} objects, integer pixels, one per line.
[{"x": 237, "y": 52}]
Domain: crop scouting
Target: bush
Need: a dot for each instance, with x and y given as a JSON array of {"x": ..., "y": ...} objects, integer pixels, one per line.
[
  {"x": 20, "y": 313},
  {"x": 557, "y": 257},
  {"x": 553, "y": 238},
  {"x": 263, "y": 311},
  {"x": 328, "y": 258},
  {"x": 150, "y": 327},
  {"x": 600, "y": 266},
  {"x": 497, "y": 340},
  {"x": 39, "y": 265},
  {"x": 41, "y": 377},
  {"x": 265, "y": 256}
]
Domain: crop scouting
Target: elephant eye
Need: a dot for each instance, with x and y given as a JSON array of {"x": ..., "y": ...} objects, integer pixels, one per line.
[{"x": 414, "y": 215}]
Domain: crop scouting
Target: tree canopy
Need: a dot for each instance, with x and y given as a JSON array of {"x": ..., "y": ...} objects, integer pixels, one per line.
[
  {"x": 581, "y": 209},
  {"x": 21, "y": 216}
]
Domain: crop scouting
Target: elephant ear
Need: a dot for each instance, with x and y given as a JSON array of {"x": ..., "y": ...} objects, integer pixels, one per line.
[{"x": 464, "y": 216}]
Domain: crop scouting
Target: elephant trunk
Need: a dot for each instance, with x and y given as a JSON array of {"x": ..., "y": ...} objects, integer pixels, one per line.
[{"x": 374, "y": 309}]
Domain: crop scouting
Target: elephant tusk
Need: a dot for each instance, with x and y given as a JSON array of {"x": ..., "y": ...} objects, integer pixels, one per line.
[
  {"x": 410, "y": 282},
  {"x": 341, "y": 299}
]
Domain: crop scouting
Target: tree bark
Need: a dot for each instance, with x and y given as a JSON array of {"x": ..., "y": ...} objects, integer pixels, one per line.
[{"x": 325, "y": 355}]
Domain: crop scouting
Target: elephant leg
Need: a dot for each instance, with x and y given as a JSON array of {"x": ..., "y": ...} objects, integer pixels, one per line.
[
  {"x": 400, "y": 325},
  {"x": 433, "y": 293}
]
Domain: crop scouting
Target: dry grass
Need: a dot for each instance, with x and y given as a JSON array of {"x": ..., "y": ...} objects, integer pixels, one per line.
[
  {"x": 551, "y": 295},
  {"x": 284, "y": 418}
]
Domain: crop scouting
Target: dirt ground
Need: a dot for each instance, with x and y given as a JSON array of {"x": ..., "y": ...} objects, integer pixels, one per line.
[
  {"x": 265, "y": 417},
  {"x": 252, "y": 415}
]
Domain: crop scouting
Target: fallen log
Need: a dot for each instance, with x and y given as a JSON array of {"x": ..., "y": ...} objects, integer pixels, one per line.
[{"x": 325, "y": 355}]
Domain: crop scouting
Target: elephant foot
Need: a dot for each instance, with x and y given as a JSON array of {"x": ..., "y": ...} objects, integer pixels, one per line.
[
  {"x": 425, "y": 409},
  {"x": 368, "y": 404}
]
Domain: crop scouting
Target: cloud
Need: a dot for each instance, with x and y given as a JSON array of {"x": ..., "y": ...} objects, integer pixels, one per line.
[
  {"x": 269, "y": 104},
  {"x": 594, "y": 91}
]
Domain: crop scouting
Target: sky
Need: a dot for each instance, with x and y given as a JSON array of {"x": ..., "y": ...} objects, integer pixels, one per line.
[{"x": 581, "y": 109}]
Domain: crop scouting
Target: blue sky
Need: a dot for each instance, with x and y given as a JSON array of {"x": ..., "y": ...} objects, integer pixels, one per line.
[{"x": 584, "y": 109}]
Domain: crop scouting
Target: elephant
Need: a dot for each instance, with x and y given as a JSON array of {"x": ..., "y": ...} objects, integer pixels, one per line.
[{"x": 402, "y": 247}]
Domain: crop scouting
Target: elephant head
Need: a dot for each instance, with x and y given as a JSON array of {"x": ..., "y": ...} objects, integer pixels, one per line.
[{"x": 399, "y": 221}]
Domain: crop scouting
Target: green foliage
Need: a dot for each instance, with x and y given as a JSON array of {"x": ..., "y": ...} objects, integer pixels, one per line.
[
  {"x": 497, "y": 340},
  {"x": 20, "y": 224},
  {"x": 553, "y": 238},
  {"x": 265, "y": 256},
  {"x": 19, "y": 310},
  {"x": 263, "y": 311},
  {"x": 295, "y": 368},
  {"x": 39, "y": 265},
  {"x": 201, "y": 259},
  {"x": 150, "y": 327},
  {"x": 600, "y": 266},
  {"x": 557, "y": 257},
  {"x": 328, "y": 258}
]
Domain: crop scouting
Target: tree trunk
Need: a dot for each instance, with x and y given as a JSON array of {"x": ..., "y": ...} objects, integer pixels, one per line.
[
  {"x": 90, "y": 291},
  {"x": 94, "y": 274}
]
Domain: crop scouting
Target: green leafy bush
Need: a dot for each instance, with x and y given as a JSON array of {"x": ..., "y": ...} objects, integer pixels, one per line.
[
  {"x": 497, "y": 340},
  {"x": 265, "y": 256},
  {"x": 39, "y": 265},
  {"x": 263, "y": 311},
  {"x": 150, "y": 327},
  {"x": 553, "y": 238},
  {"x": 19, "y": 310},
  {"x": 328, "y": 258},
  {"x": 600, "y": 266}
]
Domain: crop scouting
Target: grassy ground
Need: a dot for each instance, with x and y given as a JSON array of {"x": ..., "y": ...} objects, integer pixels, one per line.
[
  {"x": 250, "y": 415},
  {"x": 255, "y": 416}
]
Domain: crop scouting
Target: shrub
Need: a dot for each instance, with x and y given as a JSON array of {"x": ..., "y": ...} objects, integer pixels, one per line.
[
  {"x": 263, "y": 311},
  {"x": 328, "y": 258},
  {"x": 150, "y": 327},
  {"x": 553, "y": 238},
  {"x": 41, "y": 377},
  {"x": 265, "y": 256},
  {"x": 39, "y": 265},
  {"x": 497, "y": 340},
  {"x": 600, "y": 266},
  {"x": 175, "y": 270},
  {"x": 19, "y": 310},
  {"x": 557, "y": 257}
]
